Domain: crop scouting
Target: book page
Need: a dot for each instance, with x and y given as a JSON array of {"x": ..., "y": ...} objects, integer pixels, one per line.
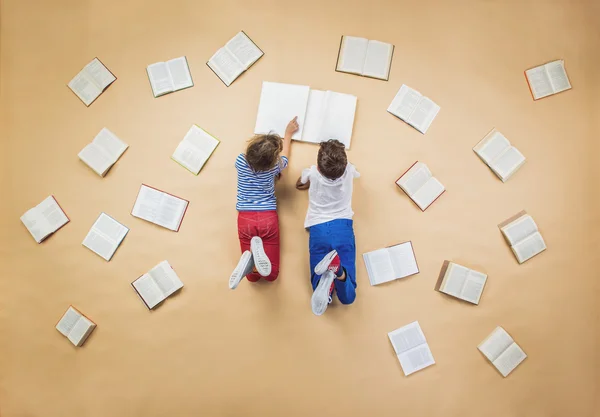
[
  {"x": 405, "y": 102},
  {"x": 403, "y": 260},
  {"x": 428, "y": 193},
  {"x": 379, "y": 266},
  {"x": 105, "y": 236},
  {"x": 473, "y": 287},
  {"x": 558, "y": 76},
  {"x": 508, "y": 163},
  {"x": 316, "y": 112},
  {"x": 195, "y": 149},
  {"x": 226, "y": 66},
  {"x": 529, "y": 247},
  {"x": 85, "y": 89},
  {"x": 149, "y": 290},
  {"x": 492, "y": 147},
  {"x": 110, "y": 144},
  {"x": 180, "y": 73},
  {"x": 36, "y": 224},
  {"x": 496, "y": 343},
  {"x": 407, "y": 337},
  {"x": 68, "y": 321},
  {"x": 539, "y": 82},
  {"x": 96, "y": 158},
  {"x": 280, "y": 103},
  {"x": 53, "y": 214},
  {"x": 352, "y": 54},
  {"x": 338, "y": 118},
  {"x": 414, "y": 178},
  {"x": 99, "y": 74},
  {"x": 244, "y": 49},
  {"x": 160, "y": 79},
  {"x": 170, "y": 212},
  {"x": 166, "y": 278},
  {"x": 378, "y": 60},
  {"x": 147, "y": 203},
  {"x": 80, "y": 331},
  {"x": 415, "y": 359},
  {"x": 456, "y": 275},
  {"x": 509, "y": 359},
  {"x": 422, "y": 117},
  {"x": 519, "y": 229}
]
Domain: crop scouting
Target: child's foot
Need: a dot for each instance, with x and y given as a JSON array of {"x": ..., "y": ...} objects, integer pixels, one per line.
[
  {"x": 322, "y": 295},
  {"x": 243, "y": 268},
  {"x": 261, "y": 260},
  {"x": 330, "y": 262}
]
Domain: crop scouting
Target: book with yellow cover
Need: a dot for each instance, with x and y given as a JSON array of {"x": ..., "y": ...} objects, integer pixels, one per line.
[{"x": 195, "y": 149}]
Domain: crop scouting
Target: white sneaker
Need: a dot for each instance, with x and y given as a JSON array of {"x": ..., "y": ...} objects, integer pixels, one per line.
[
  {"x": 321, "y": 297},
  {"x": 243, "y": 268},
  {"x": 325, "y": 262},
  {"x": 261, "y": 260}
]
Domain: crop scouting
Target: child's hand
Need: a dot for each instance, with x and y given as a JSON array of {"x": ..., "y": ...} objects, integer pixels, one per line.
[
  {"x": 301, "y": 186},
  {"x": 292, "y": 127}
]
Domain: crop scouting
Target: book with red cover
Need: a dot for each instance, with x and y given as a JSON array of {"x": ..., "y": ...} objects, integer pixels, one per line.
[
  {"x": 159, "y": 207},
  {"x": 429, "y": 190},
  {"x": 91, "y": 81}
]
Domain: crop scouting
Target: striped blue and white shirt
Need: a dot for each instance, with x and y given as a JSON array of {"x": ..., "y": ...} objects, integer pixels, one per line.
[{"x": 256, "y": 190}]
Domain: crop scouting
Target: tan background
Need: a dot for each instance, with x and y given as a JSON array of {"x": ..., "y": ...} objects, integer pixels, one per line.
[{"x": 259, "y": 350}]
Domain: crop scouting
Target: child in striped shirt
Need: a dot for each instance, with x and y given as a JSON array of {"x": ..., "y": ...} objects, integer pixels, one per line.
[{"x": 258, "y": 224}]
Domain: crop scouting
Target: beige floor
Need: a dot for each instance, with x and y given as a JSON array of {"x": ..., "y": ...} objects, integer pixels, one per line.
[{"x": 259, "y": 350}]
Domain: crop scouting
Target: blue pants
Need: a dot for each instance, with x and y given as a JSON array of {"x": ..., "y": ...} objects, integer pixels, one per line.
[{"x": 338, "y": 235}]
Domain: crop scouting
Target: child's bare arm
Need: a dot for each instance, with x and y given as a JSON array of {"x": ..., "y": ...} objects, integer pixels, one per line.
[
  {"x": 291, "y": 128},
  {"x": 302, "y": 186}
]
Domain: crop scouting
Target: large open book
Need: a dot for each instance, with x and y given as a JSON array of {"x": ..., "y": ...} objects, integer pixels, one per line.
[
  {"x": 523, "y": 236},
  {"x": 322, "y": 115},
  {"x": 361, "y": 56},
  {"x": 461, "y": 282},
  {"x": 91, "y": 81},
  {"x": 230, "y": 61},
  {"x": 103, "y": 152},
  {"x": 195, "y": 149},
  {"x": 156, "y": 285},
  {"x": 411, "y": 348},
  {"x": 502, "y": 351},
  {"x": 160, "y": 208},
  {"x": 105, "y": 236},
  {"x": 547, "y": 79},
  {"x": 388, "y": 264},
  {"x": 44, "y": 219},
  {"x": 75, "y": 326},
  {"x": 415, "y": 109},
  {"x": 420, "y": 185},
  {"x": 170, "y": 76},
  {"x": 497, "y": 153}
]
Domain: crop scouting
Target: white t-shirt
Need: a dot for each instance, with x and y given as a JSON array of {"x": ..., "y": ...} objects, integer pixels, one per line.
[{"x": 328, "y": 199}]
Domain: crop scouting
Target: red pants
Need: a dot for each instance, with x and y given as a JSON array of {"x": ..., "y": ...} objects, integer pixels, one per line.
[{"x": 264, "y": 224}]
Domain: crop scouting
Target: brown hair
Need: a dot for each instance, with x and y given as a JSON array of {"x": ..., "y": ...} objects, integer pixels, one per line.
[
  {"x": 263, "y": 151},
  {"x": 332, "y": 159}
]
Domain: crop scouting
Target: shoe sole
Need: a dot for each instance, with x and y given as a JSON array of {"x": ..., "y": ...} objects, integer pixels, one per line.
[
  {"x": 261, "y": 260},
  {"x": 320, "y": 298},
  {"x": 325, "y": 262},
  {"x": 238, "y": 273}
]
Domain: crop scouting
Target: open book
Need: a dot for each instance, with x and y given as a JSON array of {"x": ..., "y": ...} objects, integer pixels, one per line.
[
  {"x": 388, "y": 264},
  {"x": 103, "y": 152},
  {"x": 170, "y": 76},
  {"x": 547, "y": 79},
  {"x": 155, "y": 286},
  {"x": 322, "y": 115},
  {"x": 195, "y": 149},
  {"x": 461, "y": 282},
  {"x": 75, "y": 326},
  {"x": 44, "y": 219},
  {"x": 361, "y": 56},
  {"x": 497, "y": 152},
  {"x": 502, "y": 351},
  {"x": 411, "y": 348},
  {"x": 230, "y": 61},
  {"x": 523, "y": 236},
  {"x": 160, "y": 208},
  {"x": 105, "y": 236},
  {"x": 422, "y": 187},
  {"x": 415, "y": 109},
  {"x": 91, "y": 81}
]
